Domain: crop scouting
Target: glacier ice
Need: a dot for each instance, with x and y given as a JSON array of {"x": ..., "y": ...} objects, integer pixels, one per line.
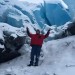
[
  {"x": 56, "y": 14},
  {"x": 71, "y": 5},
  {"x": 21, "y": 14},
  {"x": 14, "y": 21}
]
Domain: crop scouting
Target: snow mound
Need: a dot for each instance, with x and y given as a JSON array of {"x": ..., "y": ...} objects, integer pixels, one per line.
[{"x": 60, "y": 51}]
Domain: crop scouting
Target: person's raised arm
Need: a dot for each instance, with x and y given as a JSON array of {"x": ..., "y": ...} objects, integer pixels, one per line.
[
  {"x": 47, "y": 34},
  {"x": 28, "y": 32}
]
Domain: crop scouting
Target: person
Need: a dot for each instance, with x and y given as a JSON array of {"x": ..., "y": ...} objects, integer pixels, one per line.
[{"x": 36, "y": 44}]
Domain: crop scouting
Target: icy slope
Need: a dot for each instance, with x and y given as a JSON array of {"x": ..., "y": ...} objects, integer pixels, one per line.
[{"x": 59, "y": 59}]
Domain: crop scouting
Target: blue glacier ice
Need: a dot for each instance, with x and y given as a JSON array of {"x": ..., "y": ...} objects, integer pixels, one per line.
[
  {"x": 56, "y": 14},
  {"x": 35, "y": 14},
  {"x": 12, "y": 20},
  {"x": 40, "y": 17},
  {"x": 25, "y": 12},
  {"x": 13, "y": 17},
  {"x": 71, "y": 5},
  {"x": 20, "y": 14}
]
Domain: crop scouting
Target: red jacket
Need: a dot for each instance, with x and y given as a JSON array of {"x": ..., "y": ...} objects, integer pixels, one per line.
[{"x": 37, "y": 39}]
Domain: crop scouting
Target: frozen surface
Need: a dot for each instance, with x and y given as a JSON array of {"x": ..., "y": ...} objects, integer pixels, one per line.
[{"x": 19, "y": 14}]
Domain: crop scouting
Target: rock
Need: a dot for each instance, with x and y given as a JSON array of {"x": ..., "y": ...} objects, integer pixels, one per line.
[
  {"x": 1, "y": 42},
  {"x": 12, "y": 44},
  {"x": 71, "y": 28},
  {"x": 1, "y": 45},
  {"x": 5, "y": 56}
]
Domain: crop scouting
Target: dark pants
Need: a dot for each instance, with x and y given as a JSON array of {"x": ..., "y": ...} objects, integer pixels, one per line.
[{"x": 35, "y": 53}]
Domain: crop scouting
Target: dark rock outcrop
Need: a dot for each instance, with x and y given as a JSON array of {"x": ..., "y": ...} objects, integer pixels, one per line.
[
  {"x": 71, "y": 28},
  {"x": 11, "y": 46}
]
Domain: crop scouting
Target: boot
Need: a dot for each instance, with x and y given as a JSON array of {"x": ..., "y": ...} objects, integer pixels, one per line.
[
  {"x": 36, "y": 63},
  {"x": 30, "y": 65}
]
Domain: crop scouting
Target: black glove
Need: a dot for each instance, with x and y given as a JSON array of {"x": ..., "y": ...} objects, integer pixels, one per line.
[
  {"x": 27, "y": 28},
  {"x": 49, "y": 30}
]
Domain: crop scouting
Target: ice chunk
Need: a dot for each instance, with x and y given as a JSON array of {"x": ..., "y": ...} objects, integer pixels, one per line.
[
  {"x": 71, "y": 5},
  {"x": 56, "y": 14}
]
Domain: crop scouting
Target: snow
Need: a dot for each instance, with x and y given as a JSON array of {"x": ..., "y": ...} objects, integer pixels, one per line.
[
  {"x": 1, "y": 36},
  {"x": 1, "y": 46},
  {"x": 14, "y": 35},
  {"x": 58, "y": 1},
  {"x": 59, "y": 59},
  {"x": 32, "y": 1},
  {"x": 9, "y": 28},
  {"x": 64, "y": 4},
  {"x": 52, "y": 1}
]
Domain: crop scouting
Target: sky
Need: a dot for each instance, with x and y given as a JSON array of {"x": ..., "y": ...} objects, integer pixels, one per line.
[{"x": 33, "y": 1}]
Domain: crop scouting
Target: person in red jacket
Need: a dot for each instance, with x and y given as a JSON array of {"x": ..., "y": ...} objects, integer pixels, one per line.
[{"x": 36, "y": 44}]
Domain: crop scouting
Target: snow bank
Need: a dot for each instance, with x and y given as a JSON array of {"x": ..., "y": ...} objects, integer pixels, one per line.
[
  {"x": 9, "y": 28},
  {"x": 60, "y": 51}
]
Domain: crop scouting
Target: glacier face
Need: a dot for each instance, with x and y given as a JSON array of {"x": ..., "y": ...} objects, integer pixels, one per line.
[
  {"x": 21, "y": 14},
  {"x": 56, "y": 14},
  {"x": 71, "y": 5}
]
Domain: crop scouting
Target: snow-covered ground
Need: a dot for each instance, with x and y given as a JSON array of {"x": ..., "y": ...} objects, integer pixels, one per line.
[{"x": 58, "y": 59}]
